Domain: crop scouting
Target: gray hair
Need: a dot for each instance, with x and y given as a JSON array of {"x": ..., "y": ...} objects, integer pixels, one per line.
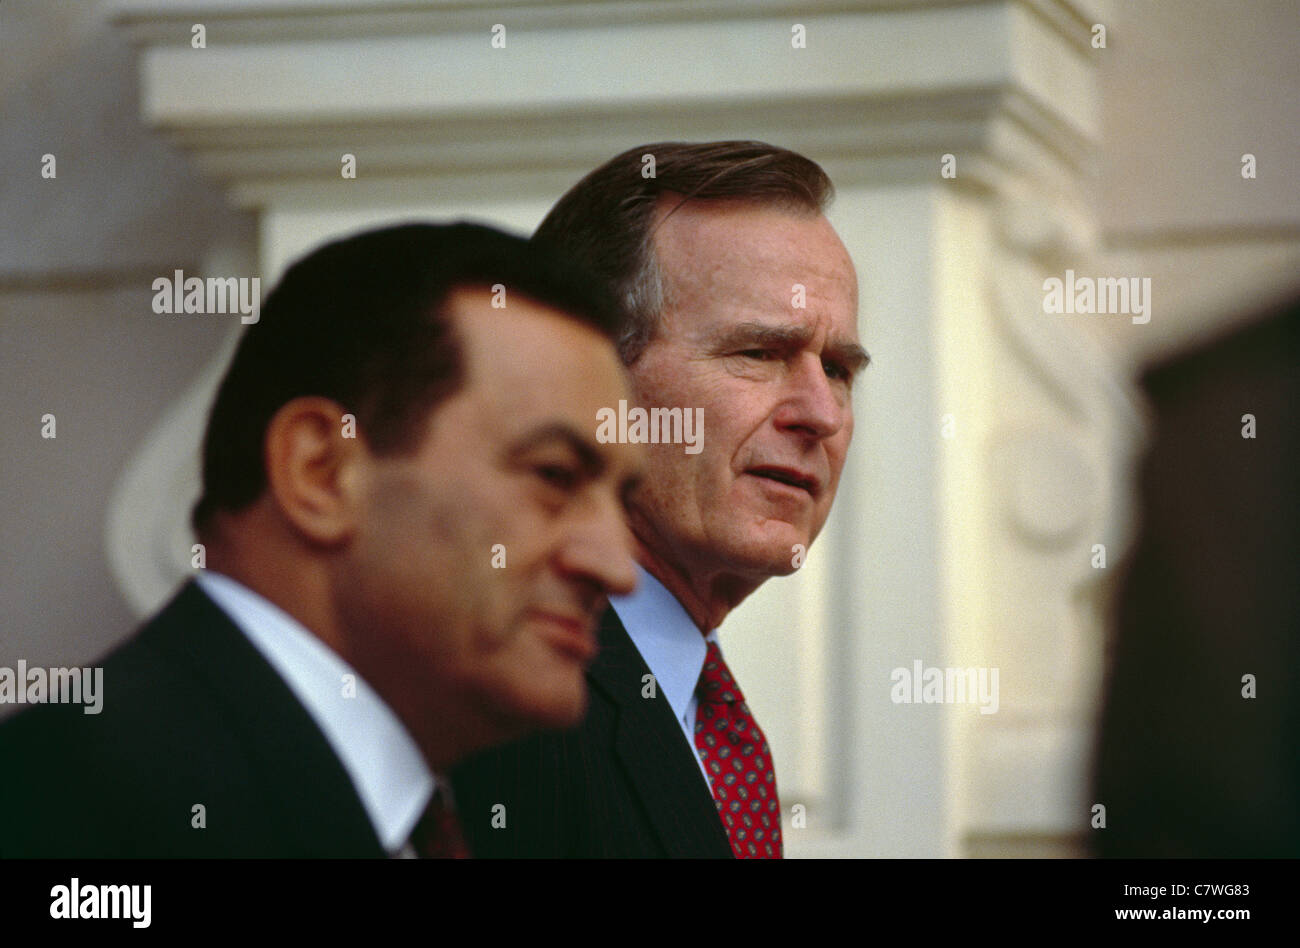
[{"x": 605, "y": 219}]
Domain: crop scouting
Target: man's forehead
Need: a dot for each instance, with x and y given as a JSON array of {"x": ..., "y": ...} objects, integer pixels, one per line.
[
  {"x": 514, "y": 352},
  {"x": 756, "y": 247},
  {"x": 777, "y": 285},
  {"x": 676, "y": 213},
  {"x": 491, "y": 324}
]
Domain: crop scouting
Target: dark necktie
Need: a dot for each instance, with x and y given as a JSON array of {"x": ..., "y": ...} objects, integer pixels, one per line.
[
  {"x": 437, "y": 835},
  {"x": 737, "y": 760}
]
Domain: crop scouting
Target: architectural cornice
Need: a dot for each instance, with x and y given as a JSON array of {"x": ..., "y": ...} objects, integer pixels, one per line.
[
  {"x": 160, "y": 22},
  {"x": 882, "y": 91}
]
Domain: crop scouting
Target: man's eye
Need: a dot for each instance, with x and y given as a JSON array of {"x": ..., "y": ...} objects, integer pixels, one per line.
[
  {"x": 557, "y": 475},
  {"x": 836, "y": 371},
  {"x": 760, "y": 354}
]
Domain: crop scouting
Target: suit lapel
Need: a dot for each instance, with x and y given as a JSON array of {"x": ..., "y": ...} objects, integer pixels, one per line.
[
  {"x": 302, "y": 778},
  {"x": 650, "y": 746}
]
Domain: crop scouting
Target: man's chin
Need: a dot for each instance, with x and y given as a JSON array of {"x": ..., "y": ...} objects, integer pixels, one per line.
[
  {"x": 786, "y": 566},
  {"x": 562, "y": 713},
  {"x": 557, "y": 710},
  {"x": 778, "y": 555}
]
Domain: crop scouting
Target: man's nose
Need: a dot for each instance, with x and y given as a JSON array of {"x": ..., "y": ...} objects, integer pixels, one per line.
[
  {"x": 600, "y": 549},
  {"x": 812, "y": 402}
]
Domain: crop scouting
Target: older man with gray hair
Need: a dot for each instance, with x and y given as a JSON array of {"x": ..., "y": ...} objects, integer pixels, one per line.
[{"x": 738, "y": 300}]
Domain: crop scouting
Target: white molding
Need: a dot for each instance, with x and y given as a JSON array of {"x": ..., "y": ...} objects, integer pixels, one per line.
[
  {"x": 884, "y": 87},
  {"x": 167, "y": 21},
  {"x": 147, "y": 535}
]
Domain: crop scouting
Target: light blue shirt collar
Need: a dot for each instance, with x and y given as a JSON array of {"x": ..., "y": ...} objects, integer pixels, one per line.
[
  {"x": 386, "y": 767},
  {"x": 671, "y": 644}
]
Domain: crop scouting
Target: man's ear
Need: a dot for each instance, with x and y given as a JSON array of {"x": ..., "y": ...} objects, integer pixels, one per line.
[{"x": 314, "y": 472}]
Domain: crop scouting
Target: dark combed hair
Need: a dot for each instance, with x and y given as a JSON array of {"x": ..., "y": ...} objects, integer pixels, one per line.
[
  {"x": 361, "y": 321},
  {"x": 605, "y": 219}
]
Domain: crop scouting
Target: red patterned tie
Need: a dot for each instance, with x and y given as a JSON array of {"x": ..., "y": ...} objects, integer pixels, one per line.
[
  {"x": 738, "y": 763},
  {"x": 437, "y": 835}
]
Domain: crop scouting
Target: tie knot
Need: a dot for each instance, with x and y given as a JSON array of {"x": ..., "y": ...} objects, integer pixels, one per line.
[
  {"x": 437, "y": 835},
  {"x": 716, "y": 684}
]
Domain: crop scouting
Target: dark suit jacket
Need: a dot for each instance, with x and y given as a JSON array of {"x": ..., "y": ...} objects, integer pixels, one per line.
[
  {"x": 624, "y": 783},
  {"x": 1187, "y": 766},
  {"x": 192, "y": 714}
]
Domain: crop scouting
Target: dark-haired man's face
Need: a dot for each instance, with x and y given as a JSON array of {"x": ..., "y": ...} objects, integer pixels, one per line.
[
  {"x": 485, "y": 558},
  {"x": 759, "y": 329}
]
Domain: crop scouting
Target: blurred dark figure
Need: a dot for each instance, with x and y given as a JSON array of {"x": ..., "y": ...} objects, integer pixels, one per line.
[{"x": 1187, "y": 765}]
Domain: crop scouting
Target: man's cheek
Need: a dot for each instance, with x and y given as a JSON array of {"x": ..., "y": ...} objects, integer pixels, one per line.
[{"x": 499, "y": 613}]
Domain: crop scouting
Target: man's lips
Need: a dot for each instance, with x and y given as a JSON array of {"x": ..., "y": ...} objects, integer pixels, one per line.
[
  {"x": 572, "y": 633},
  {"x": 790, "y": 476}
]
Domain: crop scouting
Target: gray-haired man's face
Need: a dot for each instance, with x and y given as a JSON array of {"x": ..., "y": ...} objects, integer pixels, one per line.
[{"x": 759, "y": 329}]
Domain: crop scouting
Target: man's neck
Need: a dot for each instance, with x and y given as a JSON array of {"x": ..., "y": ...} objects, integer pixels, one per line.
[
  {"x": 304, "y": 594},
  {"x": 706, "y": 597}
]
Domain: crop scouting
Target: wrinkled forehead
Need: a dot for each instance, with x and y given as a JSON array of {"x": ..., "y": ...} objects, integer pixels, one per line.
[{"x": 720, "y": 257}]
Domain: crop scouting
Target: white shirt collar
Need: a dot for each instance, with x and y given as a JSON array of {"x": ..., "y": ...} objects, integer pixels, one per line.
[{"x": 386, "y": 767}]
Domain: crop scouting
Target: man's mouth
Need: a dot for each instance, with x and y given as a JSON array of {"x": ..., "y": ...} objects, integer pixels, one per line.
[
  {"x": 789, "y": 476},
  {"x": 572, "y": 633}
]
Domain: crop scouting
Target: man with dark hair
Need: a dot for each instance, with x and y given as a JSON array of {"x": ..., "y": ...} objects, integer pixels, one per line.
[
  {"x": 738, "y": 301},
  {"x": 406, "y": 547}
]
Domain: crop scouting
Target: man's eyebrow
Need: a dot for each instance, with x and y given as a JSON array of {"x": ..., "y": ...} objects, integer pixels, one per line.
[
  {"x": 752, "y": 333},
  {"x": 849, "y": 354},
  {"x": 566, "y": 434}
]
